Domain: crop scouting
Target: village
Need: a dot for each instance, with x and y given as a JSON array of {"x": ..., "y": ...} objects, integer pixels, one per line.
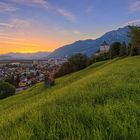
[{"x": 24, "y": 74}]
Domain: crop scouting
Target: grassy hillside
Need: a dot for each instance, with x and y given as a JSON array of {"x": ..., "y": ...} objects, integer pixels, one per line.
[{"x": 97, "y": 103}]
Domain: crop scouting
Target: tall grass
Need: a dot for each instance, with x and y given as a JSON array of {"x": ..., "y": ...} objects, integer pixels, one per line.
[{"x": 98, "y": 103}]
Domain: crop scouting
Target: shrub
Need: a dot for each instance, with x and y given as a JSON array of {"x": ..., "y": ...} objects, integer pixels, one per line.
[
  {"x": 6, "y": 90},
  {"x": 100, "y": 57}
]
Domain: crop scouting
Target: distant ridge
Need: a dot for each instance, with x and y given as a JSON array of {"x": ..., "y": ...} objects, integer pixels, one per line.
[
  {"x": 36, "y": 55},
  {"x": 89, "y": 47}
]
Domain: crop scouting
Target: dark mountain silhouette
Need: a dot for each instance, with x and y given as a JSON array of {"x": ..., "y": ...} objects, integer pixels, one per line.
[{"x": 89, "y": 47}]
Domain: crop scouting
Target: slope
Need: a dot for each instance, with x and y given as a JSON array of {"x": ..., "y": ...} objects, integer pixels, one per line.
[{"x": 99, "y": 102}]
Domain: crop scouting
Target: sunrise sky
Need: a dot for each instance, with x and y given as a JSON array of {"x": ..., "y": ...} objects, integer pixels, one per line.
[{"x": 44, "y": 25}]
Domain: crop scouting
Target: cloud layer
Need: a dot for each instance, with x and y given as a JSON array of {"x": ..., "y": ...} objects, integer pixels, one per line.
[
  {"x": 133, "y": 22},
  {"x": 4, "y": 7},
  {"x": 46, "y": 5},
  {"x": 135, "y": 6}
]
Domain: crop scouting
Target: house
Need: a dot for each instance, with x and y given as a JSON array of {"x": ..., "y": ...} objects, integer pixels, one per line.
[
  {"x": 23, "y": 84},
  {"x": 104, "y": 48}
]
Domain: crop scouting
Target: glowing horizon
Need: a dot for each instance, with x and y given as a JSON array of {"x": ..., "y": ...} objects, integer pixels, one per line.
[{"x": 45, "y": 25}]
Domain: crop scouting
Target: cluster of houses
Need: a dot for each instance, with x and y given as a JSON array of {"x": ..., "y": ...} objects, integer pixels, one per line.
[{"x": 25, "y": 75}]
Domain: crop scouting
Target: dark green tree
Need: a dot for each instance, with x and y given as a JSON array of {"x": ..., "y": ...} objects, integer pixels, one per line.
[
  {"x": 123, "y": 49},
  {"x": 135, "y": 40},
  {"x": 66, "y": 68},
  {"x": 6, "y": 90},
  {"x": 129, "y": 49},
  {"x": 74, "y": 63},
  {"x": 78, "y": 61},
  {"x": 115, "y": 49}
]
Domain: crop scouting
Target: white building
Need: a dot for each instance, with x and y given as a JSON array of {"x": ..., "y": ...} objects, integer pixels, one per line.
[{"x": 104, "y": 48}]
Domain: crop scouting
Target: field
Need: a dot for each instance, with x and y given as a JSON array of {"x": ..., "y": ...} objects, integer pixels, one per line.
[{"x": 101, "y": 102}]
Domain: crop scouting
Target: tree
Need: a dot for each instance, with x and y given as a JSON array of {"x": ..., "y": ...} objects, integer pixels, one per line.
[
  {"x": 6, "y": 90},
  {"x": 78, "y": 61},
  {"x": 100, "y": 57},
  {"x": 129, "y": 49},
  {"x": 74, "y": 63},
  {"x": 115, "y": 49},
  {"x": 135, "y": 40},
  {"x": 64, "y": 69},
  {"x": 123, "y": 51}
]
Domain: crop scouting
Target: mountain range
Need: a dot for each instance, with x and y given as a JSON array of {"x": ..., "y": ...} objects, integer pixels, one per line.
[
  {"x": 36, "y": 55},
  {"x": 89, "y": 47}
]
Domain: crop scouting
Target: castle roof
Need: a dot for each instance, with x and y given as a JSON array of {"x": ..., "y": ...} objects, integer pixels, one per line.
[{"x": 104, "y": 43}]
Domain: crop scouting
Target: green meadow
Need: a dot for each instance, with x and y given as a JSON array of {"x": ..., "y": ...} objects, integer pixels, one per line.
[{"x": 101, "y": 102}]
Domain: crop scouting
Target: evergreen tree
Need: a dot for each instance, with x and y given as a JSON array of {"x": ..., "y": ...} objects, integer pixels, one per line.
[
  {"x": 122, "y": 49},
  {"x": 135, "y": 40},
  {"x": 115, "y": 49},
  {"x": 129, "y": 49}
]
